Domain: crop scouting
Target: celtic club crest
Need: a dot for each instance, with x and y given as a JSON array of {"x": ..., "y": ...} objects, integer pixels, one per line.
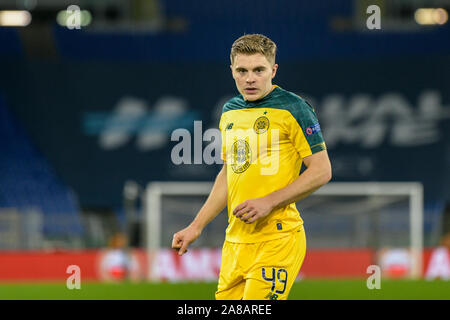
[
  {"x": 241, "y": 156},
  {"x": 261, "y": 125}
]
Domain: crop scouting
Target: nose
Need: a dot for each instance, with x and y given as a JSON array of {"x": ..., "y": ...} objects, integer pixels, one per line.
[{"x": 250, "y": 78}]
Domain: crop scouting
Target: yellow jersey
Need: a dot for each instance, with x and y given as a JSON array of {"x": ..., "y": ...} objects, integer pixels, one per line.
[{"x": 264, "y": 143}]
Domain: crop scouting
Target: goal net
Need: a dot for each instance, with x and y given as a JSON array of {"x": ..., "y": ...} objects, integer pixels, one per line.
[{"x": 342, "y": 215}]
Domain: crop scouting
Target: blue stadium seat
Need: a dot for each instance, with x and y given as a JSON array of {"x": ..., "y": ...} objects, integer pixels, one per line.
[{"x": 27, "y": 180}]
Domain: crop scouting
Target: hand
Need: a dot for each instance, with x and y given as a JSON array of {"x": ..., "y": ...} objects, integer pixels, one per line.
[
  {"x": 182, "y": 239},
  {"x": 251, "y": 210}
]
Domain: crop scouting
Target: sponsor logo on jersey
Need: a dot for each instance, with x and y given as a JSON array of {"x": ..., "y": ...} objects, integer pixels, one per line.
[{"x": 313, "y": 129}]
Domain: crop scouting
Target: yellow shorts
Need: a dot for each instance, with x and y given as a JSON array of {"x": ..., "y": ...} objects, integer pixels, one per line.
[{"x": 263, "y": 270}]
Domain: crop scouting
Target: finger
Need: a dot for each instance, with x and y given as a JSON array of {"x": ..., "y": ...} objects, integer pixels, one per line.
[
  {"x": 239, "y": 207},
  {"x": 243, "y": 211},
  {"x": 248, "y": 215},
  {"x": 252, "y": 219},
  {"x": 183, "y": 248},
  {"x": 176, "y": 242}
]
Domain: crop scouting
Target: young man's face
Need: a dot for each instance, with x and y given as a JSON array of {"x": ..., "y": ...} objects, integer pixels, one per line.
[{"x": 253, "y": 75}]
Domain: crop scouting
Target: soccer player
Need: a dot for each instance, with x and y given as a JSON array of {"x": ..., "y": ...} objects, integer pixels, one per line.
[{"x": 267, "y": 133}]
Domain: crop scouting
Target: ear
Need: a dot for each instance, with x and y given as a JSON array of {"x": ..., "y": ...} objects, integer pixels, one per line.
[{"x": 274, "y": 70}]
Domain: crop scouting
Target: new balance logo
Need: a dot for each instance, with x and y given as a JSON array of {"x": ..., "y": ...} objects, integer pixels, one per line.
[
  {"x": 229, "y": 126},
  {"x": 271, "y": 296}
]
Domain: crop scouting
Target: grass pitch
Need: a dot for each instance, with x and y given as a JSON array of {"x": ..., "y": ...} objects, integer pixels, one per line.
[{"x": 302, "y": 290}]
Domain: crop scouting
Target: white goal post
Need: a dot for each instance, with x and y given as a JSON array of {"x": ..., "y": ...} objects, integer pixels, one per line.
[{"x": 413, "y": 190}]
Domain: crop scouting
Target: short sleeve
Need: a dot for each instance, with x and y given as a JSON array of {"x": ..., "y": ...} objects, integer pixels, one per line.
[
  {"x": 305, "y": 132},
  {"x": 224, "y": 145}
]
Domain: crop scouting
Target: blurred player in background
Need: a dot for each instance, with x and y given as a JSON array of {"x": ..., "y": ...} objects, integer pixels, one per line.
[
  {"x": 117, "y": 263},
  {"x": 267, "y": 133}
]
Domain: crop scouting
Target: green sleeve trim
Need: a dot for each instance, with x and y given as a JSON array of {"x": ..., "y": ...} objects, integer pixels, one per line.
[
  {"x": 304, "y": 113},
  {"x": 318, "y": 147}
]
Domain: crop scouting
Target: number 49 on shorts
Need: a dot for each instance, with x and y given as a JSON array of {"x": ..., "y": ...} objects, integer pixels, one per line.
[{"x": 278, "y": 279}]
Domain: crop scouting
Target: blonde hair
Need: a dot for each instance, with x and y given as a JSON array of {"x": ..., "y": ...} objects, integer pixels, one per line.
[{"x": 254, "y": 43}]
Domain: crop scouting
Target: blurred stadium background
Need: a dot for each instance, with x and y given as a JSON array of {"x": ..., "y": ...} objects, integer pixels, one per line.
[{"x": 86, "y": 117}]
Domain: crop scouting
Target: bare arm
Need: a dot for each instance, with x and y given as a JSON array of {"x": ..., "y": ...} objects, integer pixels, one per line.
[
  {"x": 317, "y": 173},
  {"x": 216, "y": 202}
]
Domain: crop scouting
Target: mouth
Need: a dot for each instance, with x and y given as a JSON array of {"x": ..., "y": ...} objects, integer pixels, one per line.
[{"x": 250, "y": 90}]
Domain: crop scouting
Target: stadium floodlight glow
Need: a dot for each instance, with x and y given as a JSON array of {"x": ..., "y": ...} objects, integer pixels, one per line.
[
  {"x": 430, "y": 16},
  {"x": 63, "y": 16},
  {"x": 15, "y": 18},
  {"x": 440, "y": 16}
]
